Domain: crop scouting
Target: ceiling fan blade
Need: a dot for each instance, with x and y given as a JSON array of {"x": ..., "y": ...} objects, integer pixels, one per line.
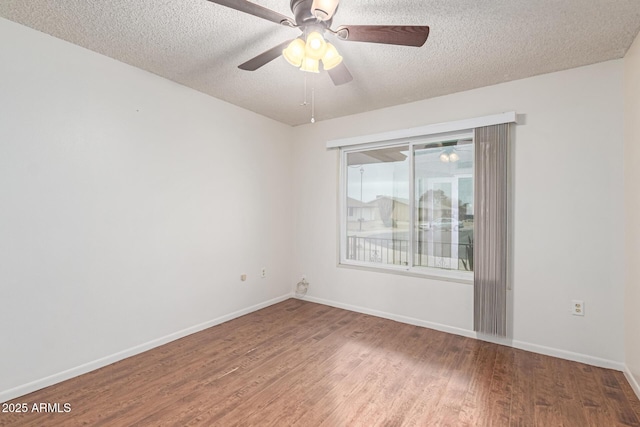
[
  {"x": 265, "y": 57},
  {"x": 340, "y": 74},
  {"x": 404, "y": 35},
  {"x": 254, "y": 9}
]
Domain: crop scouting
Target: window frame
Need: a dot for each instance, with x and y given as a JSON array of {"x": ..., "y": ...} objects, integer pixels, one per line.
[
  {"x": 440, "y": 128},
  {"x": 465, "y": 277}
]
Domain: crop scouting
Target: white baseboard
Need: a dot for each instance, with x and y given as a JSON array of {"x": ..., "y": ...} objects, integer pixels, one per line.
[
  {"x": 633, "y": 381},
  {"x": 21, "y": 390},
  {"x": 535, "y": 348},
  {"x": 569, "y": 355},
  {"x": 391, "y": 316},
  {"x": 96, "y": 364}
]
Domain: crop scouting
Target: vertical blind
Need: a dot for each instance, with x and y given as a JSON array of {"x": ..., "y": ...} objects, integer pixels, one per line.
[{"x": 491, "y": 229}]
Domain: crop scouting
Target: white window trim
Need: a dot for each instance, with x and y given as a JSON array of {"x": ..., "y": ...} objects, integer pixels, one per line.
[
  {"x": 422, "y": 131},
  {"x": 410, "y": 137}
]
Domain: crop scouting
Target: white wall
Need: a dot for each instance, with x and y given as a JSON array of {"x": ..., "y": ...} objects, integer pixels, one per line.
[
  {"x": 632, "y": 210},
  {"x": 568, "y": 214},
  {"x": 129, "y": 207}
]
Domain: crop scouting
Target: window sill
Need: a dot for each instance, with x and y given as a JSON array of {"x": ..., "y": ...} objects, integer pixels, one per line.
[{"x": 463, "y": 277}]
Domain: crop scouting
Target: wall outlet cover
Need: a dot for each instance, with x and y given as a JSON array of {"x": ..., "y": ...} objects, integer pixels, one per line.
[{"x": 577, "y": 307}]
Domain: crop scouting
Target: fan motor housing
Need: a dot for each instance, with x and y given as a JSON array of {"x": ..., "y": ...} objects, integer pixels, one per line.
[{"x": 302, "y": 12}]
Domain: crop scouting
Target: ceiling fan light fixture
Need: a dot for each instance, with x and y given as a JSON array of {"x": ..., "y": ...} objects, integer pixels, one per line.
[
  {"x": 449, "y": 155},
  {"x": 316, "y": 46},
  {"x": 323, "y": 10},
  {"x": 310, "y": 65},
  {"x": 294, "y": 53},
  {"x": 331, "y": 58}
]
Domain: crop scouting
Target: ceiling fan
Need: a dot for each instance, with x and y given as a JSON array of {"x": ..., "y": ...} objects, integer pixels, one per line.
[{"x": 314, "y": 18}]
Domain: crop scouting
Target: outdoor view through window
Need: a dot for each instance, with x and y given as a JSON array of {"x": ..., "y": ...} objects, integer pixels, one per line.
[{"x": 379, "y": 227}]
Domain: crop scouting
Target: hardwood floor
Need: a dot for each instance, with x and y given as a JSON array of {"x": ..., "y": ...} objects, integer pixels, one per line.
[{"x": 299, "y": 363}]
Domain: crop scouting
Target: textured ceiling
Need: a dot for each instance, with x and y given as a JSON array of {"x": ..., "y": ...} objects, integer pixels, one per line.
[{"x": 472, "y": 44}]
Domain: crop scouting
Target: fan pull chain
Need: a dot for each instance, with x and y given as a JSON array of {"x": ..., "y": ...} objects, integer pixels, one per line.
[
  {"x": 304, "y": 102},
  {"x": 313, "y": 100},
  {"x": 313, "y": 105}
]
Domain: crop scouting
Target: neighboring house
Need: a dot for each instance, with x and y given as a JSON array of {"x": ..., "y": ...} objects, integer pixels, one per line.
[
  {"x": 392, "y": 209},
  {"x": 383, "y": 208},
  {"x": 357, "y": 209}
]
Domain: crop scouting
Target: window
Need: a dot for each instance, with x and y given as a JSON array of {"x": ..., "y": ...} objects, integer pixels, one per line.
[{"x": 408, "y": 206}]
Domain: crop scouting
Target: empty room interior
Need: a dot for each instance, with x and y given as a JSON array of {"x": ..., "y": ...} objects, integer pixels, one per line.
[{"x": 308, "y": 212}]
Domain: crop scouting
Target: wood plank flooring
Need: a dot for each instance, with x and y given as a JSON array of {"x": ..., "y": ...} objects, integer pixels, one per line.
[{"x": 304, "y": 364}]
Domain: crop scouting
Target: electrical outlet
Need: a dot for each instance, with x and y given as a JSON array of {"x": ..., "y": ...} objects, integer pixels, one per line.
[
  {"x": 263, "y": 272},
  {"x": 577, "y": 307}
]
